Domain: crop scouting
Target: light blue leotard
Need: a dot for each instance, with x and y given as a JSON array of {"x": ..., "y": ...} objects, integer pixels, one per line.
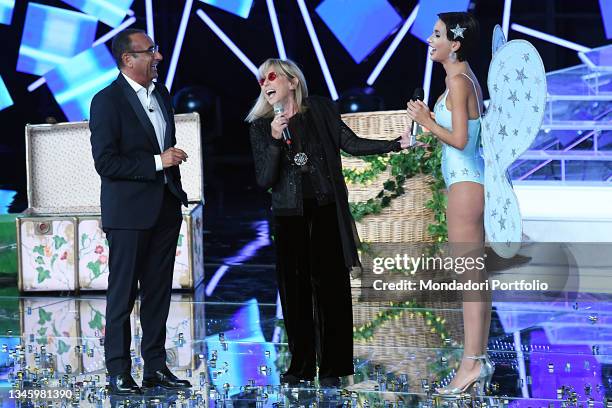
[{"x": 460, "y": 165}]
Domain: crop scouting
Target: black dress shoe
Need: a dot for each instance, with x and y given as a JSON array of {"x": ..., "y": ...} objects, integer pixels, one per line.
[
  {"x": 165, "y": 379},
  {"x": 292, "y": 380},
  {"x": 123, "y": 384},
  {"x": 329, "y": 382}
]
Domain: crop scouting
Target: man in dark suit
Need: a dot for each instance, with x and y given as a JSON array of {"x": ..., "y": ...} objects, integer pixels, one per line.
[{"x": 132, "y": 139}]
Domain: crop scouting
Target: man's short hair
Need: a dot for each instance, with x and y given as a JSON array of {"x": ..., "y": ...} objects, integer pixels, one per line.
[{"x": 122, "y": 44}]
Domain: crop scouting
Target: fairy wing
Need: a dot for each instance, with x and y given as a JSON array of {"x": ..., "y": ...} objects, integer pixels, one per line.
[
  {"x": 517, "y": 87},
  {"x": 499, "y": 39}
]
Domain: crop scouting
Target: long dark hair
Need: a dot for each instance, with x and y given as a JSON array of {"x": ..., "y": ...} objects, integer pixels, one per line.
[{"x": 471, "y": 34}]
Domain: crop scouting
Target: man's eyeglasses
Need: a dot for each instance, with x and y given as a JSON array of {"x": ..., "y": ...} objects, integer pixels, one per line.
[
  {"x": 271, "y": 77},
  {"x": 152, "y": 50}
]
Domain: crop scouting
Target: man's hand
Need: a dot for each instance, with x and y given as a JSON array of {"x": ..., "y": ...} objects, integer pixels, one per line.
[{"x": 173, "y": 157}]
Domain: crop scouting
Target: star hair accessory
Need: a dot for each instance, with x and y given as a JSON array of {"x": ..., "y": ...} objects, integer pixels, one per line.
[{"x": 458, "y": 32}]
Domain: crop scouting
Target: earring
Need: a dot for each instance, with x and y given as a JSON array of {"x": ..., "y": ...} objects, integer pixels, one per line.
[{"x": 453, "y": 56}]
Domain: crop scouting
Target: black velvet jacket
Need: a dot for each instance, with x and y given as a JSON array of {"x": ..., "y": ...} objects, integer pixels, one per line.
[{"x": 274, "y": 171}]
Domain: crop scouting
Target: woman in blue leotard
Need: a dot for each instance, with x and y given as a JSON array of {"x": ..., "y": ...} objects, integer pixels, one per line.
[{"x": 457, "y": 126}]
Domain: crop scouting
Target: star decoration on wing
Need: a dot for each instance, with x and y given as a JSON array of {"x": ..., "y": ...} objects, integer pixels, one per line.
[
  {"x": 513, "y": 98},
  {"x": 458, "y": 32},
  {"x": 514, "y": 59},
  {"x": 520, "y": 76}
]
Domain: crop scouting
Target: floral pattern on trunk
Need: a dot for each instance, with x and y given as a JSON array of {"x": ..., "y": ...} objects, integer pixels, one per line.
[
  {"x": 47, "y": 259},
  {"x": 93, "y": 256}
]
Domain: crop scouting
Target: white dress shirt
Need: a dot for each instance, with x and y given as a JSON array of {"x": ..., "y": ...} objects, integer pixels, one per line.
[{"x": 149, "y": 102}]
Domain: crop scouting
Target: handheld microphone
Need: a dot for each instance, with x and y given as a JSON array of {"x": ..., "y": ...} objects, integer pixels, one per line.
[
  {"x": 418, "y": 95},
  {"x": 280, "y": 109}
]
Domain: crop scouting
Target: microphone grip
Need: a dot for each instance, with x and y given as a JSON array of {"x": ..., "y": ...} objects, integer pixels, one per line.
[
  {"x": 413, "y": 132},
  {"x": 286, "y": 136}
]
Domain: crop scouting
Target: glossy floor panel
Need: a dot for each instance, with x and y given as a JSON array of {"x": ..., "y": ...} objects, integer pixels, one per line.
[
  {"x": 227, "y": 338},
  {"x": 234, "y": 352}
]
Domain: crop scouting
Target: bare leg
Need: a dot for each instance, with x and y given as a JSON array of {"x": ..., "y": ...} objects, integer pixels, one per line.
[{"x": 466, "y": 237}]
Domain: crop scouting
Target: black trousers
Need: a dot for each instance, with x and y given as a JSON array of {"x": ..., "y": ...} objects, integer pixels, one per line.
[
  {"x": 145, "y": 256},
  {"x": 315, "y": 292}
]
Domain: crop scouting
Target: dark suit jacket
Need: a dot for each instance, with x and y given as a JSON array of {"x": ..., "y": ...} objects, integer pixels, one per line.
[
  {"x": 123, "y": 143},
  {"x": 285, "y": 180}
]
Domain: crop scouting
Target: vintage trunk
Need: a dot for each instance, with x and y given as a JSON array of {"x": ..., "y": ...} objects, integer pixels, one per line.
[{"x": 61, "y": 246}]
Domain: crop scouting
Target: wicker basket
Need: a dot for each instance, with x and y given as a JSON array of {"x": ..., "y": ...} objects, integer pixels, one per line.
[
  {"x": 407, "y": 218},
  {"x": 410, "y": 330}
]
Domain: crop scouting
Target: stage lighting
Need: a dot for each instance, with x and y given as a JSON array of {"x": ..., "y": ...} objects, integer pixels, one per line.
[
  {"x": 6, "y": 11},
  {"x": 360, "y": 26},
  {"x": 110, "y": 12},
  {"x": 360, "y": 100},
  {"x": 205, "y": 102},
  {"x": 75, "y": 83},
  {"x": 51, "y": 36},
  {"x": 194, "y": 99}
]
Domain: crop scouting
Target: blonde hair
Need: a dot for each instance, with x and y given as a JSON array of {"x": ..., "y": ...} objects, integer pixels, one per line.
[{"x": 288, "y": 68}]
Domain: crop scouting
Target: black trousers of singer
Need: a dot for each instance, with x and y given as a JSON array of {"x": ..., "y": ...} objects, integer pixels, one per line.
[
  {"x": 315, "y": 292},
  {"x": 145, "y": 256}
]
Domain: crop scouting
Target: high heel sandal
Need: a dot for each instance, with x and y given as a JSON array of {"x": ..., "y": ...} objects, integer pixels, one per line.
[{"x": 480, "y": 384}]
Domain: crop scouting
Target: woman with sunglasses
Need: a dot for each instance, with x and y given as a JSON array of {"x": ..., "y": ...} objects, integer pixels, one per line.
[{"x": 297, "y": 155}]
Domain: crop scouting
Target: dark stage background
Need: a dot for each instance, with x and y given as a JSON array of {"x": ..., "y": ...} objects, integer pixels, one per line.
[{"x": 228, "y": 88}]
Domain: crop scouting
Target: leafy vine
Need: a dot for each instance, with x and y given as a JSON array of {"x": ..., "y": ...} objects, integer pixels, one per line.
[{"x": 404, "y": 165}]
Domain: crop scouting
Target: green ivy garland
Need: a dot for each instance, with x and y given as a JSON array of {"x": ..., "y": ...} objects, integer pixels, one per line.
[
  {"x": 377, "y": 164},
  {"x": 404, "y": 165}
]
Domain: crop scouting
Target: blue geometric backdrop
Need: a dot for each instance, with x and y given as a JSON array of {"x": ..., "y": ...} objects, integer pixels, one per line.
[
  {"x": 75, "y": 82},
  {"x": 6, "y": 11},
  {"x": 360, "y": 26},
  {"x": 110, "y": 12},
  {"x": 5, "y": 97},
  {"x": 51, "y": 36},
  {"x": 240, "y": 8},
  {"x": 428, "y": 15}
]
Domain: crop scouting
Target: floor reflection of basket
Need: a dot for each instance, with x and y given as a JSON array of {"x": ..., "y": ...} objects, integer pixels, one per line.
[
  {"x": 410, "y": 328},
  {"x": 408, "y": 345},
  {"x": 407, "y": 218}
]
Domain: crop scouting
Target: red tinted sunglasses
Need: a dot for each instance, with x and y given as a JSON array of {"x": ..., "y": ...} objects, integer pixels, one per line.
[{"x": 271, "y": 77}]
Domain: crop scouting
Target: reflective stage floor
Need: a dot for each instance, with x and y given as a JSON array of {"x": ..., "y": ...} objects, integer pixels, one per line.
[{"x": 228, "y": 340}]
